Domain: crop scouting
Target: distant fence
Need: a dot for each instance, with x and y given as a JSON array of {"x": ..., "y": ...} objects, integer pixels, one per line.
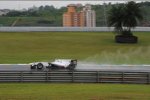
[
  {"x": 76, "y": 76},
  {"x": 65, "y": 29}
]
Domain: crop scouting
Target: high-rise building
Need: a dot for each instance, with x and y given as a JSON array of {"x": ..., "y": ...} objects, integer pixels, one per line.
[
  {"x": 84, "y": 18},
  {"x": 68, "y": 16},
  {"x": 89, "y": 16}
]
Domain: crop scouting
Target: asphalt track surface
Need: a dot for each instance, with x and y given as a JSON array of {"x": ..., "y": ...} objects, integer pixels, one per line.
[{"x": 82, "y": 67}]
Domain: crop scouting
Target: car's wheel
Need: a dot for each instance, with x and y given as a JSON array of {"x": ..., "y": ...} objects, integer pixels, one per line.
[
  {"x": 33, "y": 67},
  {"x": 71, "y": 67},
  {"x": 40, "y": 66},
  {"x": 49, "y": 66}
]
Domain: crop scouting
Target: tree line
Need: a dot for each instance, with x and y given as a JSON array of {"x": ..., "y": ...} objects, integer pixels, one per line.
[{"x": 55, "y": 14}]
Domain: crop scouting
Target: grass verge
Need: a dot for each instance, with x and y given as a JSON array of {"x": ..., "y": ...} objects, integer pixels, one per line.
[
  {"x": 97, "y": 47},
  {"x": 43, "y": 91}
]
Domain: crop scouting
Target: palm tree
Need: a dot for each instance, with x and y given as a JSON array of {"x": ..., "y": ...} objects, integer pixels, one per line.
[
  {"x": 115, "y": 18},
  {"x": 132, "y": 15},
  {"x": 124, "y": 17}
]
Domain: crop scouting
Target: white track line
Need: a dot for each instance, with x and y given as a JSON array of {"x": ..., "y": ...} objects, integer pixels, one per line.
[{"x": 13, "y": 64}]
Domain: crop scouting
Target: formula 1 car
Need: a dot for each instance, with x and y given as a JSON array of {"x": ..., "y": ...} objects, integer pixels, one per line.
[{"x": 57, "y": 64}]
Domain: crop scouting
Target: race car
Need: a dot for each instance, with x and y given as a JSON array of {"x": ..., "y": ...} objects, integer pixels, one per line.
[{"x": 57, "y": 64}]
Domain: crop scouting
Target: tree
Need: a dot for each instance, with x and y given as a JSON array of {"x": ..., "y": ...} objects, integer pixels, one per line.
[
  {"x": 132, "y": 15},
  {"x": 124, "y": 17},
  {"x": 115, "y": 17}
]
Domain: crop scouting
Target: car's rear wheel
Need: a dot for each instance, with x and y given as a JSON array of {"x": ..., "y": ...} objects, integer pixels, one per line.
[
  {"x": 33, "y": 67},
  {"x": 71, "y": 67},
  {"x": 40, "y": 66}
]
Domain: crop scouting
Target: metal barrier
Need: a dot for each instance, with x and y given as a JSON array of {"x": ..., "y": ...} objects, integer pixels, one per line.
[
  {"x": 76, "y": 76},
  {"x": 67, "y": 29}
]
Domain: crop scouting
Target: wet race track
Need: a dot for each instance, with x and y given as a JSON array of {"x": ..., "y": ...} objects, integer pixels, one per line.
[{"x": 82, "y": 66}]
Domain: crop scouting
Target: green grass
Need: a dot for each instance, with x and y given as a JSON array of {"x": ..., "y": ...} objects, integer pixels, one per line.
[
  {"x": 7, "y": 21},
  {"x": 28, "y": 21},
  {"x": 32, "y": 21},
  {"x": 86, "y": 46},
  {"x": 43, "y": 91},
  {"x": 99, "y": 47}
]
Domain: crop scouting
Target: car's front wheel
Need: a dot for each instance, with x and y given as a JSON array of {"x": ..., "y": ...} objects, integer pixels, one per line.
[{"x": 40, "y": 66}]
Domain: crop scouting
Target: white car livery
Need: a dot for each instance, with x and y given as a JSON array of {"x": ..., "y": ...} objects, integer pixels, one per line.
[{"x": 57, "y": 64}]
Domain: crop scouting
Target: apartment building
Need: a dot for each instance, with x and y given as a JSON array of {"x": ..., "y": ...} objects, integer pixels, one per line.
[
  {"x": 90, "y": 16},
  {"x": 83, "y": 18}
]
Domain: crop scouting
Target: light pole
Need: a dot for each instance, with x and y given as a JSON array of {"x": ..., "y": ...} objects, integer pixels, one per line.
[{"x": 105, "y": 16}]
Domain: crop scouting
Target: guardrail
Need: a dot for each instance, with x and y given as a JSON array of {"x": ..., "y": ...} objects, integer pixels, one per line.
[
  {"x": 76, "y": 76},
  {"x": 67, "y": 29}
]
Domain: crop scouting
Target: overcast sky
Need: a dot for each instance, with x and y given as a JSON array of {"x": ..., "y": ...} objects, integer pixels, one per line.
[{"x": 18, "y": 5}]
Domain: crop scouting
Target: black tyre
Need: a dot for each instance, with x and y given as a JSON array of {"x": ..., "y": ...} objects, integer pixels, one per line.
[
  {"x": 49, "y": 66},
  {"x": 33, "y": 67},
  {"x": 72, "y": 67},
  {"x": 40, "y": 66}
]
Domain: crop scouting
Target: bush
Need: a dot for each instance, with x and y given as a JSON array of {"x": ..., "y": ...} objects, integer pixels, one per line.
[{"x": 45, "y": 22}]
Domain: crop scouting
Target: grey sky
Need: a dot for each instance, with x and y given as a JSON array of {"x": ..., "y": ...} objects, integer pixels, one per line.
[{"x": 27, "y": 4}]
